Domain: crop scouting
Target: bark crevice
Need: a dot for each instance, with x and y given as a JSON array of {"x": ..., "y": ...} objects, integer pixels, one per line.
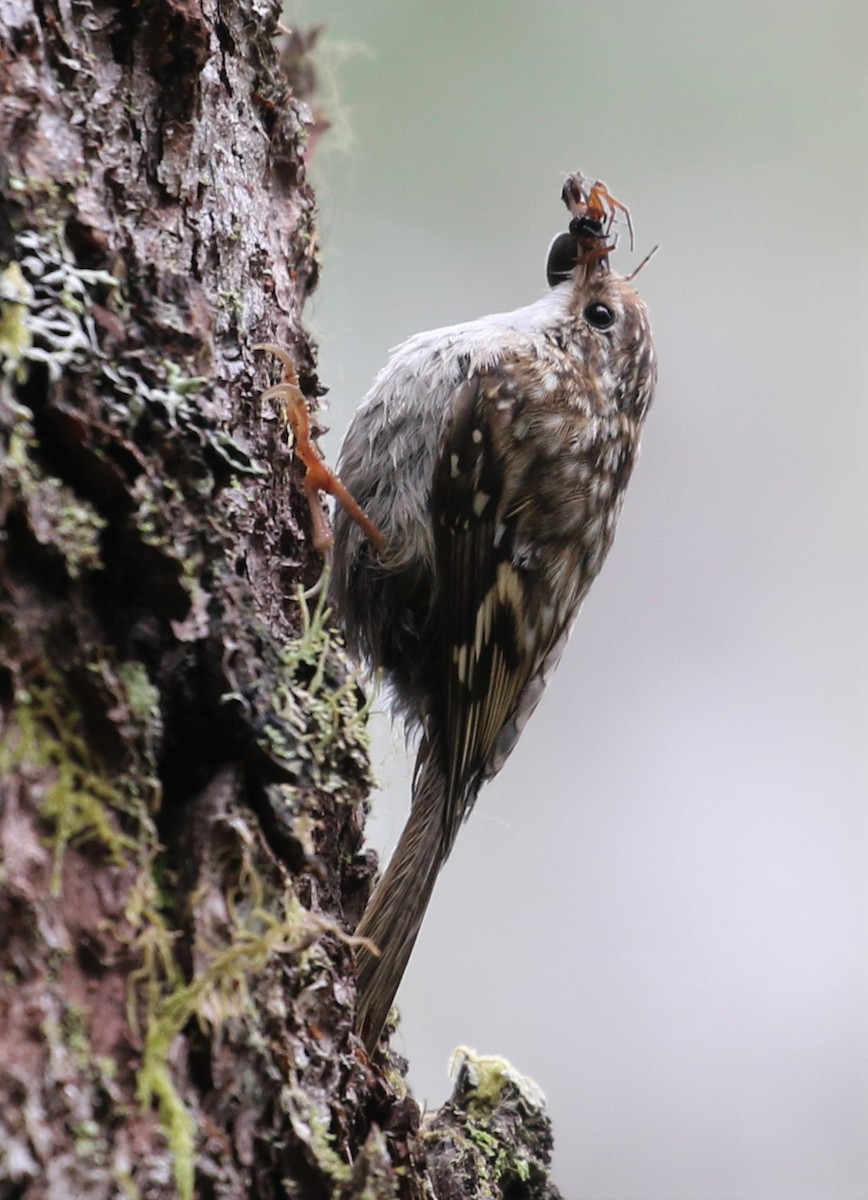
[{"x": 183, "y": 754}]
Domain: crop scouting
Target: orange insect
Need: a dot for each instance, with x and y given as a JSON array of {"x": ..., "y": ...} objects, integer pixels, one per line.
[{"x": 594, "y": 210}]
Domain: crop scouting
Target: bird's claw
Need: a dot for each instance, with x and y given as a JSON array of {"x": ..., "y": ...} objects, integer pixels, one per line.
[{"x": 318, "y": 477}]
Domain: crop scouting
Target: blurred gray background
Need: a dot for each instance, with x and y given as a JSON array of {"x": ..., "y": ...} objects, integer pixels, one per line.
[{"x": 659, "y": 909}]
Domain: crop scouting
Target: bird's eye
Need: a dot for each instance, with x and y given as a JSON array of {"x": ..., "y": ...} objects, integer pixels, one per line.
[
  {"x": 599, "y": 315},
  {"x": 562, "y": 258}
]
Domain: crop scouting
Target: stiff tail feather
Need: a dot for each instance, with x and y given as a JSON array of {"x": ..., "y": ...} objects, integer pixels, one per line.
[{"x": 395, "y": 911}]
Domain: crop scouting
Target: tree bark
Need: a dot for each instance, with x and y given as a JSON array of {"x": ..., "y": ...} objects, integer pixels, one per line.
[{"x": 183, "y": 756}]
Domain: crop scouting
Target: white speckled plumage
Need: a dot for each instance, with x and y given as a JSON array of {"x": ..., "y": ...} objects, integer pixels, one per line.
[{"x": 493, "y": 456}]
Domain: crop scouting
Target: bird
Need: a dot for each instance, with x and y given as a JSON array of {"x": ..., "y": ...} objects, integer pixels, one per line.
[{"x": 492, "y": 459}]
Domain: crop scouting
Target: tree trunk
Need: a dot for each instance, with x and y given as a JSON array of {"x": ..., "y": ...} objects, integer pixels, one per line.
[{"x": 183, "y": 759}]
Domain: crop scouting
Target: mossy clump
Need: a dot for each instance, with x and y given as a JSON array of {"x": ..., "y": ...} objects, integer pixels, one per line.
[
  {"x": 317, "y": 724},
  {"x": 493, "y": 1136}
]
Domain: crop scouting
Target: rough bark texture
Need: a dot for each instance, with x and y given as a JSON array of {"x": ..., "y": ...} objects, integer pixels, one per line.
[{"x": 183, "y": 765}]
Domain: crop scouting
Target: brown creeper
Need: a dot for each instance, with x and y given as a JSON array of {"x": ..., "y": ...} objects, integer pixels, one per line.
[{"x": 493, "y": 457}]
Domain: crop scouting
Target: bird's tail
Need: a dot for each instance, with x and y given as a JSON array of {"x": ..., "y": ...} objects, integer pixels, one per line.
[{"x": 395, "y": 911}]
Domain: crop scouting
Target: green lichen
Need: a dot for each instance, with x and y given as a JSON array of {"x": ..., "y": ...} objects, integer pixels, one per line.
[
  {"x": 321, "y": 1143},
  {"x": 176, "y": 399},
  {"x": 16, "y": 295},
  {"x": 235, "y": 455},
  {"x": 78, "y": 528},
  {"x": 232, "y": 303},
  {"x": 88, "y": 1139},
  {"x": 84, "y": 805},
  {"x": 143, "y": 696},
  {"x": 74, "y": 1032},
  {"x": 497, "y": 1118},
  {"x": 127, "y": 1184},
  {"x": 71, "y": 1056},
  {"x": 179, "y": 1128},
  {"x": 59, "y": 519},
  {"x": 79, "y": 800},
  {"x": 483, "y": 1078},
  {"x": 317, "y": 724},
  {"x": 216, "y": 993},
  {"x": 59, "y": 313},
  {"x": 260, "y": 930}
]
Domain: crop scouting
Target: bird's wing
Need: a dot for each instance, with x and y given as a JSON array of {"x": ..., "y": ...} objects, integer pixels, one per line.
[{"x": 490, "y": 604}]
